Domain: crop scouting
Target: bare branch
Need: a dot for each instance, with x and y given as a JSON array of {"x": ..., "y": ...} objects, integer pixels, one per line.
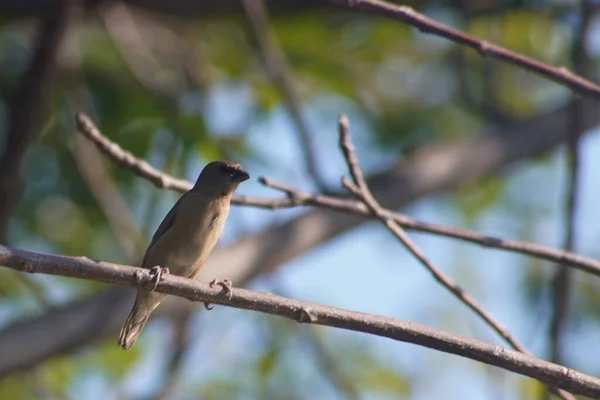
[
  {"x": 399, "y": 330},
  {"x": 140, "y": 167},
  {"x": 297, "y": 197},
  {"x": 407, "y": 15},
  {"x": 361, "y": 191}
]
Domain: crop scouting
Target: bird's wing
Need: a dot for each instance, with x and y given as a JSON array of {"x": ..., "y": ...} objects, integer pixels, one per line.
[{"x": 163, "y": 228}]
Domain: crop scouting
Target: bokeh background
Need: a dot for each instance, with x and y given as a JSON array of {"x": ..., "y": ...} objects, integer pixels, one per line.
[{"x": 185, "y": 82}]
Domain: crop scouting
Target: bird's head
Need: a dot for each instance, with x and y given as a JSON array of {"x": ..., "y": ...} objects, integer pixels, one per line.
[{"x": 224, "y": 176}]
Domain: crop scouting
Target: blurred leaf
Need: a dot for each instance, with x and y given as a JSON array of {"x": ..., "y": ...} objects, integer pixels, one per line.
[
  {"x": 219, "y": 389},
  {"x": 381, "y": 379},
  {"x": 266, "y": 95},
  {"x": 531, "y": 389},
  {"x": 475, "y": 198},
  {"x": 405, "y": 130},
  {"x": 9, "y": 283},
  {"x": 56, "y": 374},
  {"x": 111, "y": 360},
  {"x": 17, "y": 387},
  {"x": 192, "y": 130},
  {"x": 267, "y": 362}
]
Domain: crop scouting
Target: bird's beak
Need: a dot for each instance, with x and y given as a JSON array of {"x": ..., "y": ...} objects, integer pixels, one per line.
[{"x": 240, "y": 175}]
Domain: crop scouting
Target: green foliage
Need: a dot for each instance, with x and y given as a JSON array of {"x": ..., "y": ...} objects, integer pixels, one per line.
[
  {"x": 111, "y": 360},
  {"x": 475, "y": 198}
]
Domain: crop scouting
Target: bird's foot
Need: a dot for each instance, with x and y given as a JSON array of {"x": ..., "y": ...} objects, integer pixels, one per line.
[
  {"x": 156, "y": 275},
  {"x": 226, "y": 285}
]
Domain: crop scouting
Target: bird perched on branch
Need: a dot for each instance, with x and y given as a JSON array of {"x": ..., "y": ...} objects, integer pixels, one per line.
[{"x": 185, "y": 238}]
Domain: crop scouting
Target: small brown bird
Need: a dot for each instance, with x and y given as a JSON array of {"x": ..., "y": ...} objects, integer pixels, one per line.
[{"x": 185, "y": 237}]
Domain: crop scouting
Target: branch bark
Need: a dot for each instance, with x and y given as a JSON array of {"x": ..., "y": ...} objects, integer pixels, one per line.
[
  {"x": 407, "y": 15},
  {"x": 304, "y": 312}
]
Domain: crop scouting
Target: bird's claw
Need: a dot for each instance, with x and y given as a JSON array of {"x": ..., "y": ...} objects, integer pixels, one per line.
[
  {"x": 156, "y": 275},
  {"x": 225, "y": 284}
]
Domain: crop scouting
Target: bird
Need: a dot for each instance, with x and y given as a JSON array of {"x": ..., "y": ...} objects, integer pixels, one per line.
[{"x": 185, "y": 238}]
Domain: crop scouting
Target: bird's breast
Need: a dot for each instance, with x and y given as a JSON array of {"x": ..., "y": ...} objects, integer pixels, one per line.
[{"x": 194, "y": 234}]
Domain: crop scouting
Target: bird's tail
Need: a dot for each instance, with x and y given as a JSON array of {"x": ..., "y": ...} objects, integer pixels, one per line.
[{"x": 145, "y": 303}]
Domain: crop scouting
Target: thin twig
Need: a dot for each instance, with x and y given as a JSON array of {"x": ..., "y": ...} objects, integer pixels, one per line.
[
  {"x": 407, "y": 15},
  {"x": 361, "y": 191},
  {"x": 277, "y": 69},
  {"x": 297, "y": 198},
  {"x": 399, "y": 330}
]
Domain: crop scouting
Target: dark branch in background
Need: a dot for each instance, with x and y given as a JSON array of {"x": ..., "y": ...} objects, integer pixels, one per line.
[
  {"x": 296, "y": 197},
  {"x": 93, "y": 170},
  {"x": 361, "y": 191},
  {"x": 430, "y": 170},
  {"x": 305, "y": 312},
  {"x": 407, "y": 15},
  {"x": 277, "y": 69},
  {"x": 113, "y": 206},
  {"x": 181, "y": 344},
  {"x": 485, "y": 102},
  {"x": 562, "y": 279},
  {"x": 26, "y": 106},
  {"x": 181, "y": 8}
]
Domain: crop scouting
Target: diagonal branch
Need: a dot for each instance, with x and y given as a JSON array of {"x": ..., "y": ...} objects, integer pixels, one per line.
[
  {"x": 275, "y": 64},
  {"x": 361, "y": 191},
  {"x": 407, "y": 15},
  {"x": 297, "y": 197},
  {"x": 304, "y": 312}
]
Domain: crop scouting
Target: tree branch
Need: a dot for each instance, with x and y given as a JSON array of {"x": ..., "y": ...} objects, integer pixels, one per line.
[
  {"x": 304, "y": 312},
  {"x": 407, "y": 15},
  {"x": 361, "y": 191}
]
